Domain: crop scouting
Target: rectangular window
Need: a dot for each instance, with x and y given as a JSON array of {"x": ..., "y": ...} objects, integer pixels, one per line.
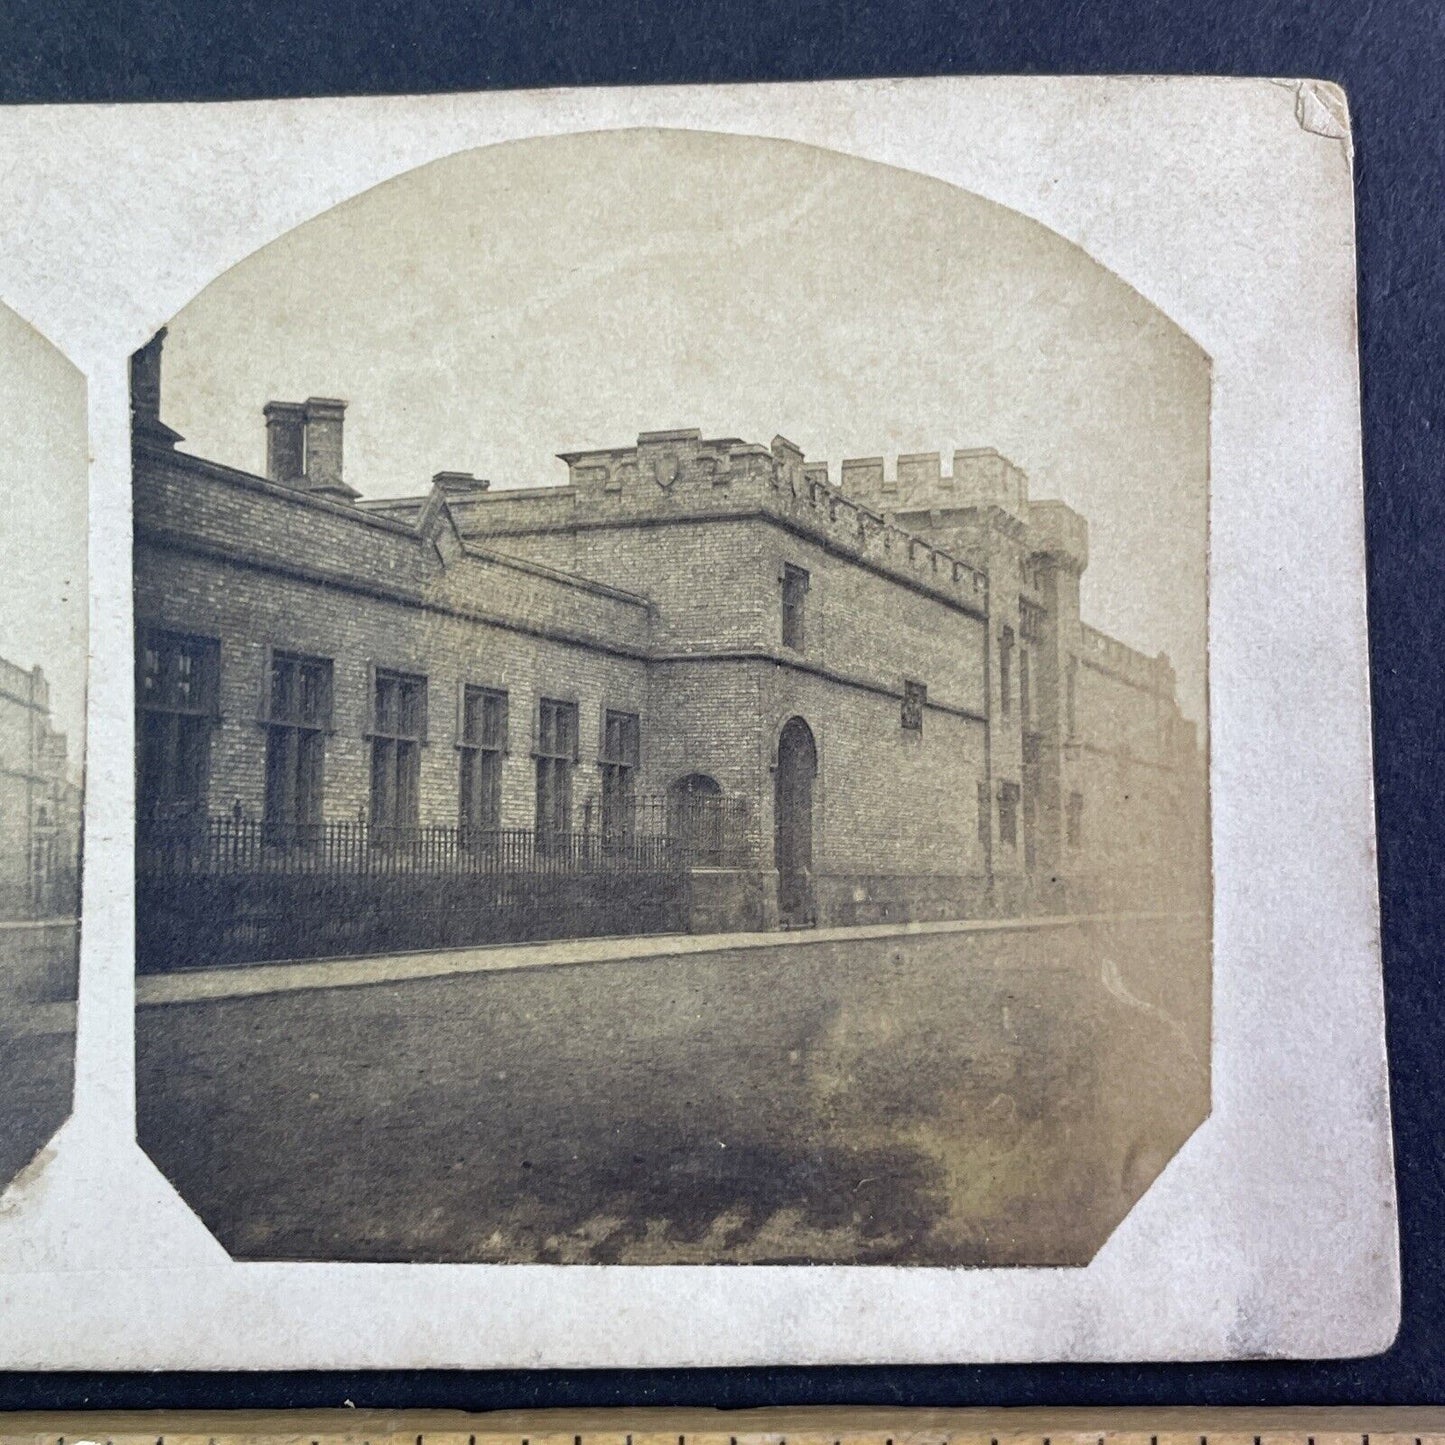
[
  {"x": 1031, "y": 617},
  {"x": 556, "y": 756},
  {"x": 1075, "y": 820},
  {"x": 483, "y": 744},
  {"x": 1025, "y": 696},
  {"x": 915, "y": 696},
  {"x": 795, "y": 593},
  {"x": 620, "y": 755},
  {"x": 1005, "y": 670},
  {"x": 1008, "y": 812},
  {"x": 177, "y": 688},
  {"x": 398, "y": 728},
  {"x": 297, "y": 719},
  {"x": 984, "y": 819}
]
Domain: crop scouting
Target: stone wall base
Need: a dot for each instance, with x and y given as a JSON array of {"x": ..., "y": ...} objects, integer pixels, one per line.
[
  {"x": 848, "y": 899},
  {"x": 726, "y": 900},
  {"x": 733, "y": 900}
]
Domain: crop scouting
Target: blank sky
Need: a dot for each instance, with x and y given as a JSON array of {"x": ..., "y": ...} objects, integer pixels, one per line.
[
  {"x": 44, "y": 460},
  {"x": 489, "y": 310}
]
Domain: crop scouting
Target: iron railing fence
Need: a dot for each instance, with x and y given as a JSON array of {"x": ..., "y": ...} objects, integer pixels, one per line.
[
  {"x": 653, "y": 834},
  {"x": 229, "y": 890},
  {"x": 220, "y": 846},
  {"x": 710, "y": 831}
]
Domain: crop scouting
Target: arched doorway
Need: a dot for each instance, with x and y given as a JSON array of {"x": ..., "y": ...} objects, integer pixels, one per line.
[
  {"x": 793, "y": 823},
  {"x": 694, "y": 819}
]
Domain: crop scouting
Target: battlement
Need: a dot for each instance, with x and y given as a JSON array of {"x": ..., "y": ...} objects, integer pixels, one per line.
[
  {"x": 1057, "y": 530},
  {"x": 981, "y": 477},
  {"x": 28, "y": 683},
  {"x": 1154, "y": 674},
  {"x": 864, "y": 477},
  {"x": 682, "y": 469},
  {"x": 668, "y": 459},
  {"x": 804, "y": 495}
]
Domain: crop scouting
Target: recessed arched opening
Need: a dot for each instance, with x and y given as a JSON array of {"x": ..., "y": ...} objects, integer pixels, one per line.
[
  {"x": 695, "y": 819},
  {"x": 793, "y": 822},
  {"x": 695, "y": 785}
]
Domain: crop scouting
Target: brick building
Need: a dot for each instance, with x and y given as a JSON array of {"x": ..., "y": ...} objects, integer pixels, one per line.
[
  {"x": 857, "y": 700},
  {"x": 39, "y": 803}
]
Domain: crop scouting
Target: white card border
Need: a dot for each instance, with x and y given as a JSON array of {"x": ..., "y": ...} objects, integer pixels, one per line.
[{"x": 1227, "y": 204}]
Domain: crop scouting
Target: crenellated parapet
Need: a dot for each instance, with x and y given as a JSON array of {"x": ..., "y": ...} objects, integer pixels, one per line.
[
  {"x": 1153, "y": 674},
  {"x": 871, "y": 512},
  {"x": 1057, "y": 531},
  {"x": 665, "y": 464},
  {"x": 804, "y": 495},
  {"x": 27, "y": 684},
  {"x": 981, "y": 479},
  {"x": 682, "y": 472}
]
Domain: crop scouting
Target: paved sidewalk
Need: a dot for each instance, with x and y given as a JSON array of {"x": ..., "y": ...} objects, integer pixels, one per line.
[
  {"x": 262, "y": 978},
  {"x": 38, "y": 1018}
]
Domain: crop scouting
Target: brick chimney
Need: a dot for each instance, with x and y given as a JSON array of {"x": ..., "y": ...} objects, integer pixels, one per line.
[
  {"x": 286, "y": 442},
  {"x": 303, "y": 446},
  {"x": 323, "y": 449},
  {"x": 145, "y": 396},
  {"x": 459, "y": 484}
]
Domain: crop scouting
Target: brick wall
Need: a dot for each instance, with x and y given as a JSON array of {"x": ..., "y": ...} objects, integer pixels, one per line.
[
  {"x": 39, "y": 809},
  {"x": 1144, "y": 806},
  {"x": 680, "y": 621},
  {"x": 264, "y": 523},
  {"x": 252, "y": 610},
  {"x": 891, "y": 808},
  {"x": 706, "y": 578},
  {"x": 15, "y": 803}
]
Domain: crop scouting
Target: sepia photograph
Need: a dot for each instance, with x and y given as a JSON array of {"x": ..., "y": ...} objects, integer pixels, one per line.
[
  {"x": 43, "y": 602},
  {"x": 719, "y": 725},
  {"x": 671, "y": 722}
]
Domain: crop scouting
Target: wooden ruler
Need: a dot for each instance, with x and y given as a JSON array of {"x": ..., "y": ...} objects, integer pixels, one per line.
[{"x": 813, "y": 1426}]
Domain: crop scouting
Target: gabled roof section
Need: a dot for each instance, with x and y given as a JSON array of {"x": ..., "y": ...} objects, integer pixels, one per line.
[{"x": 418, "y": 526}]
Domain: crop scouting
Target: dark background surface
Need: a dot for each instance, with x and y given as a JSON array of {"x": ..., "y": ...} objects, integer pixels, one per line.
[{"x": 1388, "y": 57}]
